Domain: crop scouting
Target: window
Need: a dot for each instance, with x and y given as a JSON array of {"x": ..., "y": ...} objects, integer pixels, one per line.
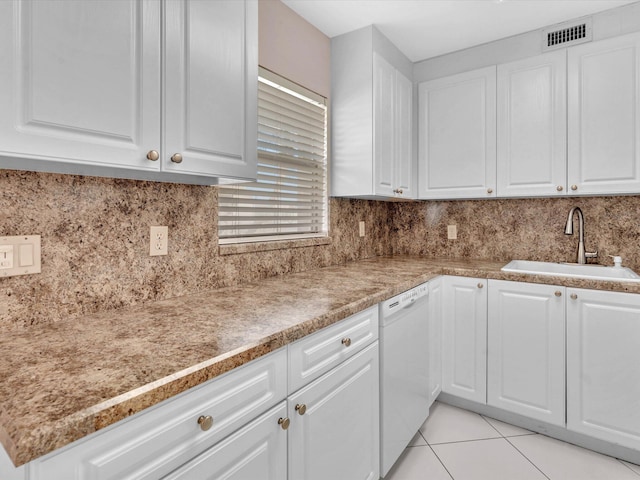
[{"x": 289, "y": 198}]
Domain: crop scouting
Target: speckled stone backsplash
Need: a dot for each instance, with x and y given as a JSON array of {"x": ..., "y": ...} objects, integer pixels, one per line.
[
  {"x": 95, "y": 236},
  {"x": 528, "y": 229},
  {"x": 95, "y": 241}
]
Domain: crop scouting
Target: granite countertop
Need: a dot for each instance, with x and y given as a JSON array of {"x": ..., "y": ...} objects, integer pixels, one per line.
[{"x": 64, "y": 381}]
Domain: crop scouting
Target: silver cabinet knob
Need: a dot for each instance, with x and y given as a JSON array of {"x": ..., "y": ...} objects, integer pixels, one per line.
[
  {"x": 346, "y": 342},
  {"x": 480, "y": 285},
  {"x": 205, "y": 422},
  {"x": 153, "y": 155},
  {"x": 559, "y": 188},
  {"x": 558, "y": 293},
  {"x": 574, "y": 187},
  {"x": 176, "y": 158},
  {"x": 301, "y": 408},
  {"x": 284, "y": 422},
  {"x": 574, "y": 296},
  {"x": 489, "y": 190}
]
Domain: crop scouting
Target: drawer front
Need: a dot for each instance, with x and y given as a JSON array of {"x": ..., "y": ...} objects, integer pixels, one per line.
[
  {"x": 256, "y": 451},
  {"x": 155, "y": 442},
  {"x": 312, "y": 356}
]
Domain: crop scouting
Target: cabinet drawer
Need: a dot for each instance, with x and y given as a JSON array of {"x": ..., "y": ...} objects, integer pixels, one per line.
[
  {"x": 256, "y": 451},
  {"x": 316, "y": 354},
  {"x": 155, "y": 442}
]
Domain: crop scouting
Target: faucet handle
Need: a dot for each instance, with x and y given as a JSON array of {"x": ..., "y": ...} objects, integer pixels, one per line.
[{"x": 591, "y": 254}]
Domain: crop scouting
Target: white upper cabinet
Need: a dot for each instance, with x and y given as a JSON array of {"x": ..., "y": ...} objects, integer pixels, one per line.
[
  {"x": 117, "y": 88},
  {"x": 392, "y": 111},
  {"x": 457, "y": 136},
  {"x": 211, "y": 80},
  {"x": 372, "y": 109},
  {"x": 532, "y": 129},
  {"x": 604, "y": 116},
  {"x": 80, "y": 83}
]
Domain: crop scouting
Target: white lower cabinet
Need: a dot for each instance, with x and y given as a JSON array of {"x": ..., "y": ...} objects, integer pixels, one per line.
[
  {"x": 258, "y": 450},
  {"x": 308, "y": 411},
  {"x": 526, "y": 350},
  {"x": 435, "y": 339},
  {"x": 603, "y": 365},
  {"x": 334, "y": 432},
  {"x": 464, "y": 338}
]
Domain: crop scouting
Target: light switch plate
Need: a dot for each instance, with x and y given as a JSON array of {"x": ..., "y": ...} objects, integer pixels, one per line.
[
  {"x": 361, "y": 229},
  {"x": 19, "y": 255}
]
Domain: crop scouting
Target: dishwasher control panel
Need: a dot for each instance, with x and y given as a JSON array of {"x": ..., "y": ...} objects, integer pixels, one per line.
[{"x": 401, "y": 301}]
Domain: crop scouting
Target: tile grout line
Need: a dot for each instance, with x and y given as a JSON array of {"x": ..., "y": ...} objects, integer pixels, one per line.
[
  {"x": 528, "y": 459},
  {"x": 491, "y": 425},
  {"x": 466, "y": 441},
  {"x": 440, "y": 460},
  {"x": 623, "y": 463}
]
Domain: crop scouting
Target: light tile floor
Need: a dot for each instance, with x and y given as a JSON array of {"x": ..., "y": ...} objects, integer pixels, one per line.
[{"x": 461, "y": 445}]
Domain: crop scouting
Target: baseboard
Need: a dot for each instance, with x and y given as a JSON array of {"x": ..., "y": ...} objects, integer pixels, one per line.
[{"x": 600, "y": 446}]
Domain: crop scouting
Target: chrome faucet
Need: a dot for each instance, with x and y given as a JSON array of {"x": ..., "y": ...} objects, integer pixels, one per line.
[{"x": 568, "y": 230}]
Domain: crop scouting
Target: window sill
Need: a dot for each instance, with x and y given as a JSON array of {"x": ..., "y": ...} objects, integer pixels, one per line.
[{"x": 239, "y": 248}]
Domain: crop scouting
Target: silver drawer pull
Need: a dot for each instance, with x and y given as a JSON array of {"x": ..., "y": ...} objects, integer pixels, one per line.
[
  {"x": 346, "y": 342},
  {"x": 205, "y": 422}
]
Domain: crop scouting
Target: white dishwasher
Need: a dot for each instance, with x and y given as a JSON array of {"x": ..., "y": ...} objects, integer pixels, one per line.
[{"x": 404, "y": 371}]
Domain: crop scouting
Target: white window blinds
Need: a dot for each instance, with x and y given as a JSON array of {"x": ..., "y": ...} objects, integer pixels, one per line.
[{"x": 289, "y": 198}]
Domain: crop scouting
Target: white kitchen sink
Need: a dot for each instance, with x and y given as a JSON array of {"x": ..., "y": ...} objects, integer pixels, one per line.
[{"x": 591, "y": 272}]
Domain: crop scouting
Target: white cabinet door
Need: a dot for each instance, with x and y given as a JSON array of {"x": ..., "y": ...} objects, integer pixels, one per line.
[
  {"x": 604, "y": 116},
  {"x": 457, "y": 136},
  {"x": 404, "y": 161},
  {"x": 392, "y": 111},
  {"x": 79, "y": 84},
  {"x": 210, "y": 89},
  {"x": 526, "y": 350},
  {"x": 435, "y": 339},
  {"x": 603, "y": 365},
  {"x": 337, "y": 437},
  {"x": 464, "y": 338},
  {"x": 384, "y": 145},
  {"x": 258, "y": 450},
  {"x": 532, "y": 131}
]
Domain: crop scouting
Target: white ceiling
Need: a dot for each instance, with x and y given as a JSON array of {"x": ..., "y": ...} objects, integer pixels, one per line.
[{"x": 427, "y": 28}]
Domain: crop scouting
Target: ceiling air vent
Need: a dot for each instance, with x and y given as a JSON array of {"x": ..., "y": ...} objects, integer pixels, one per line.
[{"x": 566, "y": 34}]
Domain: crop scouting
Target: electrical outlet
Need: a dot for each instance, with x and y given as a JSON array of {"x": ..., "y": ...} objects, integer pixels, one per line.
[
  {"x": 452, "y": 232},
  {"x": 158, "y": 240},
  {"x": 361, "y": 227}
]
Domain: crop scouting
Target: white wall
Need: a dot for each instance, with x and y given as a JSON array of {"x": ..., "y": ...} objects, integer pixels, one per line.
[{"x": 293, "y": 48}]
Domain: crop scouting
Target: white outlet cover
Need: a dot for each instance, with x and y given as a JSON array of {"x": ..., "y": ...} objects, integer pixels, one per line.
[
  {"x": 158, "y": 240},
  {"x": 452, "y": 232},
  {"x": 25, "y": 255}
]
